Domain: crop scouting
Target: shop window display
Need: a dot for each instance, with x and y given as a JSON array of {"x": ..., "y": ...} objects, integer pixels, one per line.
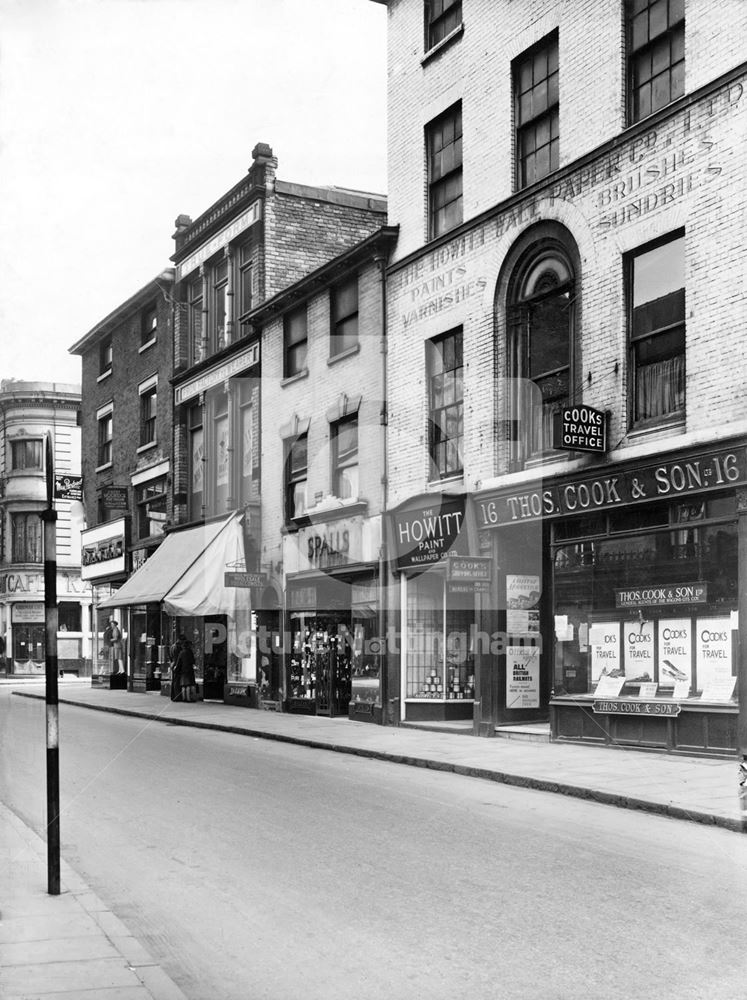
[
  {"x": 440, "y": 657},
  {"x": 320, "y": 662},
  {"x": 648, "y": 600}
]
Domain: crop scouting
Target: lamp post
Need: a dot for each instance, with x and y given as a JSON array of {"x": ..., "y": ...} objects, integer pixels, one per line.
[{"x": 49, "y": 518}]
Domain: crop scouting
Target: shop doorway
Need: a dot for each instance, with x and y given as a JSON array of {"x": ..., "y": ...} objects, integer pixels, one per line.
[
  {"x": 320, "y": 663},
  {"x": 215, "y": 660}
]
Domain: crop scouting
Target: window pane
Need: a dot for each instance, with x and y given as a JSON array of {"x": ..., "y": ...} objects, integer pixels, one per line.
[
  {"x": 657, "y": 18},
  {"x": 659, "y": 271}
]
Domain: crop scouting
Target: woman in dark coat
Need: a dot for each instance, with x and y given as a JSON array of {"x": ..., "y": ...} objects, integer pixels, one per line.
[{"x": 184, "y": 671}]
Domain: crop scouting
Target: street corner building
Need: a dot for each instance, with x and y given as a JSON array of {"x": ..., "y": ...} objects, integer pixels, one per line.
[
  {"x": 33, "y": 413},
  {"x": 566, "y": 368}
]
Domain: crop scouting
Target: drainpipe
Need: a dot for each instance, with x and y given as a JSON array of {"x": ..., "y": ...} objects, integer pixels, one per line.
[{"x": 380, "y": 259}]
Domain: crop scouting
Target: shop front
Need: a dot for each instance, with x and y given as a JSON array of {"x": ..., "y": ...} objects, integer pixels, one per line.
[
  {"x": 104, "y": 567},
  {"x": 443, "y": 581},
  {"x": 644, "y": 566},
  {"x": 23, "y": 628},
  {"x": 333, "y": 613},
  {"x": 185, "y": 591}
]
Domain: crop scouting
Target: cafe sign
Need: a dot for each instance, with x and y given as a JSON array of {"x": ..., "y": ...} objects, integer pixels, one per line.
[{"x": 660, "y": 481}]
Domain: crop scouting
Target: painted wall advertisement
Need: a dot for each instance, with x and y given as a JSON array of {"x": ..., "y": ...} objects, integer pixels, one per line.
[{"x": 522, "y": 677}]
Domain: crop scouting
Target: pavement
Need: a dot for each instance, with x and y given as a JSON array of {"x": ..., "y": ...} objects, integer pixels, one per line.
[
  {"x": 71, "y": 946},
  {"x": 68, "y": 946}
]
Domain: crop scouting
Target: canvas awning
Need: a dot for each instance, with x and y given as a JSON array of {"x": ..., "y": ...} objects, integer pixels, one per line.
[{"x": 186, "y": 572}]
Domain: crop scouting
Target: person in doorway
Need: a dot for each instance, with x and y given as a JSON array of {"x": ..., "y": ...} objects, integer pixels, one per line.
[
  {"x": 173, "y": 659},
  {"x": 116, "y": 647},
  {"x": 105, "y": 653},
  {"x": 185, "y": 669}
]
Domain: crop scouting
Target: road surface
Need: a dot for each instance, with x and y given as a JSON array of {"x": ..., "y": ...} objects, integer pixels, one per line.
[{"x": 255, "y": 870}]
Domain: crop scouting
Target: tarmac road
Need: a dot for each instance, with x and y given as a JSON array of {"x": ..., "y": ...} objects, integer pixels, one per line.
[{"x": 254, "y": 869}]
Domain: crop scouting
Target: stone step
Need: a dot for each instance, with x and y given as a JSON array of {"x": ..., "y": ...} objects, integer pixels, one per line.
[{"x": 533, "y": 732}]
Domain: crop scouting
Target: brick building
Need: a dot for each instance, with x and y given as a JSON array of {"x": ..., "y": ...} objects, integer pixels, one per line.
[
  {"x": 127, "y": 467},
  {"x": 570, "y": 262},
  {"x": 323, "y": 481},
  {"x": 257, "y": 239},
  {"x": 30, "y": 412}
]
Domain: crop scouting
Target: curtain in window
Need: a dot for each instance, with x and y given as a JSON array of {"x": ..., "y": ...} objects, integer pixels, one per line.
[{"x": 660, "y": 388}]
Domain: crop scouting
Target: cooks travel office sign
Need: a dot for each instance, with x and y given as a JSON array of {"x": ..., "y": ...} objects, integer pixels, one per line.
[{"x": 697, "y": 473}]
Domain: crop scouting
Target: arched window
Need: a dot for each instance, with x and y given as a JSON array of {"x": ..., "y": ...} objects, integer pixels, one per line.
[{"x": 540, "y": 322}]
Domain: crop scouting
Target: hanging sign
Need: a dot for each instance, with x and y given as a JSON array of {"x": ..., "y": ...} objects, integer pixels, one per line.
[
  {"x": 580, "y": 428},
  {"x": 68, "y": 487},
  {"x": 469, "y": 574},
  {"x": 244, "y": 579}
]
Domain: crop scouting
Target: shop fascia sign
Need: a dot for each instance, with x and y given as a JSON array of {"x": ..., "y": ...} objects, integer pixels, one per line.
[
  {"x": 103, "y": 550},
  {"x": 426, "y": 534},
  {"x": 218, "y": 374},
  {"x": 580, "y": 428},
  {"x": 713, "y": 470},
  {"x": 28, "y": 613},
  {"x": 22, "y": 584},
  {"x": 327, "y": 545},
  {"x": 223, "y": 237},
  {"x": 649, "y": 708},
  {"x": 662, "y": 596}
]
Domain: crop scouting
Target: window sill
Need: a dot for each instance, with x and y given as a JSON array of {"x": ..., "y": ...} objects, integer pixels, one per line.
[
  {"x": 290, "y": 379},
  {"x": 347, "y": 353},
  {"x": 146, "y": 345},
  {"x": 665, "y": 426},
  {"x": 102, "y": 468},
  {"x": 456, "y": 480},
  {"x": 444, "y": 44},
  {"x": 344, "y": 508},
  {"x": 146, "y": 447},
  {"x": 104, "y": 375}
]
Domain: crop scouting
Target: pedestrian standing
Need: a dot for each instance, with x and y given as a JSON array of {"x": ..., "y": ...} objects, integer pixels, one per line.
[{"x": 185, "y": 669}]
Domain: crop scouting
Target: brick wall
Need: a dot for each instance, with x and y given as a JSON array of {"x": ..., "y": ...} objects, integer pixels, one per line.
[
  {"x": 476, "y": 69},
  {"x": 683, "y": 171},
  {"x": 310, "y": 398},
  {"x": 303, "y": 232},
  {"x": 130, "y": 367}
]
